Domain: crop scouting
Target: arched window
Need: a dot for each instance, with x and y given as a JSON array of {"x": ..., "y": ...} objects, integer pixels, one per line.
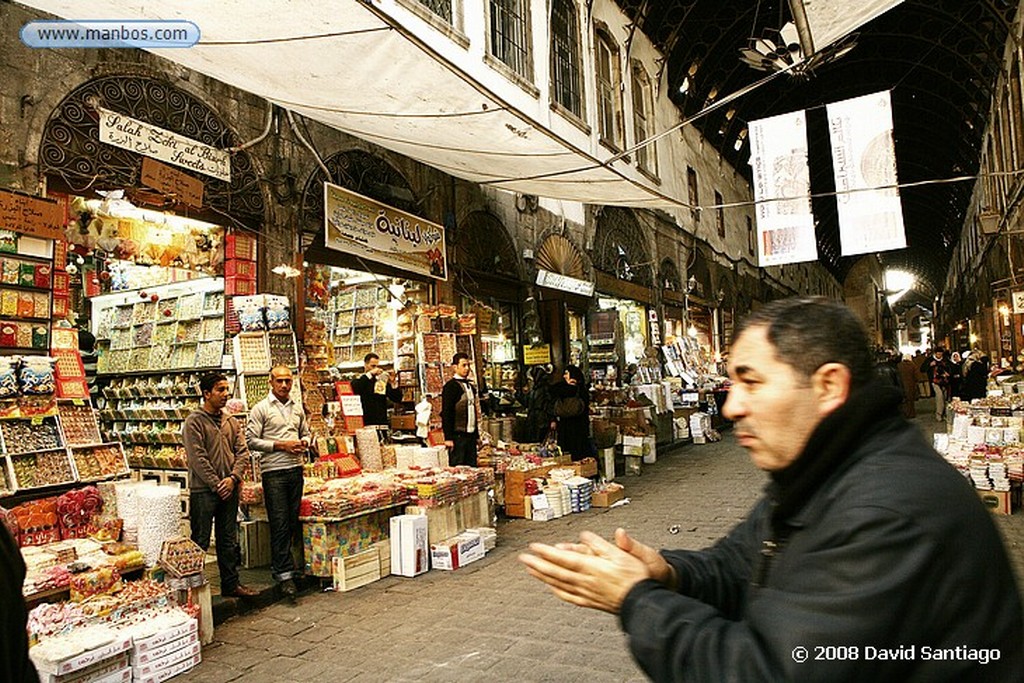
[
  {"x": 609, "y": 87},
  {"x": 566, "y": 84},
  {"x": 643, "y": 119}
]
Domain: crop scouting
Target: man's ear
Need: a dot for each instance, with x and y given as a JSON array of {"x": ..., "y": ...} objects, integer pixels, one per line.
[{"x": 831, "y": 384}]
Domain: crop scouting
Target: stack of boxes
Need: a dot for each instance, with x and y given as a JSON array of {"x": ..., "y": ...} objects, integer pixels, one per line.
[{"x": 239, "y": 274}]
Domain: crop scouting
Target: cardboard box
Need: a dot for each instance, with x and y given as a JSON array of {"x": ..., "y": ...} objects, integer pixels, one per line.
[
  {"x": 116, "y": 646},
  {"x": 157, "y": 653},
  {"x": 170, "y": 671},
  {"x": 159, "y": 639},
  {"x": 587, "y": 467},
  {"x": 633, "y": 445},
  {"x": 604, "y": 499},
  {"x": 996, "y": 501},
  {"x": 254, "y": 539},
  {"x": 410, "y": 551},
  {"x": 168, "y": 661},
  {"x": 457, "y": 551},
  {"x": 109, "y": 669},
  {"x": 356, "y": 570},
  {"x": 650, "y": 450},
  {"x": 240, "y": 246}
]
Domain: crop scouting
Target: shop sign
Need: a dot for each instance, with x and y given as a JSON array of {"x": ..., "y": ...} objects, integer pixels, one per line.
[
  {"x": 537, "y": 355},
  {"x": 355, "y": 224},
  {"x": 172, "y": 181},
  {"x": 1018, "y": 302},
  {"x": 150, "y": 141},
  {"x": 31, "y": 215},
  {"x": 545, "y": 278}
]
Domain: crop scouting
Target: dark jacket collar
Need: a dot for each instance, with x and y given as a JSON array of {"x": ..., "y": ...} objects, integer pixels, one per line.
[{"x": 867, "y": 411}]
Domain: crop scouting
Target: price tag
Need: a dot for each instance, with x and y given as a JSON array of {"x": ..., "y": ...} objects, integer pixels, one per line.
[
  {"x": 77, "y": 402},
  {"x": 37, "y": 421}
]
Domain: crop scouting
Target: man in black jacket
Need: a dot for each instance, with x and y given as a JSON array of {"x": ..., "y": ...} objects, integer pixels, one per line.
[
  {"x": 15, "y": 666},
  {"x": 869, "y": 558},
  {"x": 459, "y": 414},
  {"x": 374, "y": 390}
]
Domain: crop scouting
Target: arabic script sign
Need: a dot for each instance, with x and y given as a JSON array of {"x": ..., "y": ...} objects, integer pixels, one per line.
[
  {"x": 31, "y": 215},
  {"x": 355, "y": 224},
  {"x": 134, "y": 135}
]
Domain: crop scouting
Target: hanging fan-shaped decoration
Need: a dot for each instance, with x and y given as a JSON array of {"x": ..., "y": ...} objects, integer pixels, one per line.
[{"x": 561, "y": 256}]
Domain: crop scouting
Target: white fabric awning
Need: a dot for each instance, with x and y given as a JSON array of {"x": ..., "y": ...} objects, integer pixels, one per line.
[{"x": 382, "y": 73}]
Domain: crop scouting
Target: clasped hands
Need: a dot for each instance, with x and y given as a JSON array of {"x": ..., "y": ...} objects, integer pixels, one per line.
[{"x": 594, "y": 572}]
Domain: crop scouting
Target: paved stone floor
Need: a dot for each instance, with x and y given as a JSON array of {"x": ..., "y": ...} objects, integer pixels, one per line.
[{"x": 490, "y": 621}]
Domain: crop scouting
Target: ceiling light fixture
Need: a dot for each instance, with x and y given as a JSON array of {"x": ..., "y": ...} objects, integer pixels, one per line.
[{"x": 779, "y": 49}]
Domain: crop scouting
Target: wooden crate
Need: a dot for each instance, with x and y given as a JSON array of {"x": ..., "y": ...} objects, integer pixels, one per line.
[{"x": 357, "y": 570}]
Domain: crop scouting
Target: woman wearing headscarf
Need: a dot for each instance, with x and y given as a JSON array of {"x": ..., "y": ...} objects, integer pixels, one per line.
[{"x": 572, "y": 412}]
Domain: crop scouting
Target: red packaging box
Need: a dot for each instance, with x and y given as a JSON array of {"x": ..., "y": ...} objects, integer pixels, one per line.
[
  {"x": 234, "y": 286},
  {"x": 60, "y": 306},
  {"x": 240, "y": 246},
  {"x": 60, "y": 254},
  {"x": 240, "y": 268},
  {"x": 42, "y": 275},
  {"x": 61, "y": 282}
]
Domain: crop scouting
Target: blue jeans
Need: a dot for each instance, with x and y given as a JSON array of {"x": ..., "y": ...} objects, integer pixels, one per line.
[
  {"x": 282, "y": 493},
  {"x": 206, "y": 509}
]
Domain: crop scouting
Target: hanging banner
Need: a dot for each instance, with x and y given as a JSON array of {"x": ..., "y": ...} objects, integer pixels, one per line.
[
  {"x": 864, "y": 163},
  {"x": 150, "y": 141},
  {"x": 355, "y": 224},
  {"x": 782, "y": 190},
  {"x": 830, "y": 20}
]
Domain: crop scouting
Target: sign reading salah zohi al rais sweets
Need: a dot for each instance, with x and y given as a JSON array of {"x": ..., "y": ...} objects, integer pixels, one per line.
[{"x": 355, "y": 224}]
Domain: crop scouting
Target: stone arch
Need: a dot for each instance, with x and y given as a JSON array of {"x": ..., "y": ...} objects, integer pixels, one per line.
[
  {"x": 71, "y": 153},
  {"x": 668, "y": 276},
  {"x": 358, "y": 171},
  {"x": 620, "y": 247},
  {"x": 484, "y": 246}
]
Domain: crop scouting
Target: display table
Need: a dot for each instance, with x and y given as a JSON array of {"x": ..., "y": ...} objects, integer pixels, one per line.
[{"x": 324, "y": 538}]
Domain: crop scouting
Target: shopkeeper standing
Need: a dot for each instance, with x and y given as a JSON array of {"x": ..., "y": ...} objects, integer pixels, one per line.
[
  {"x": 277, "y": 429},
  {"x": 374, "y": 388},
  {"x": 217, "y": 459},
  {"x": 458, "y": 414}
]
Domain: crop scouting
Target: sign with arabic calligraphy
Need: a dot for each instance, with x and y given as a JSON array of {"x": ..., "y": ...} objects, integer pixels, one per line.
[
  {"x": 31, "y": 215},
  {"x": 172, "y": 181},
  {"x": 136, "y": 136},
  {"x": 355, "y": 224}
]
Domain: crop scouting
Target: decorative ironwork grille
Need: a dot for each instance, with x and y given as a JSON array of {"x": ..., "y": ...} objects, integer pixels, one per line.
[
  {"x": 485, "y": 246},
  {"x": 669, "y": 276},
  {"x": 620, "y": 248},
  {"x": 510, "y": 35},
  {"x": 71, "y": 149},
  {"x": 360, "y": 172},
  {"x": 565, "y": 56},
  {"x": 442, "y": 8}
]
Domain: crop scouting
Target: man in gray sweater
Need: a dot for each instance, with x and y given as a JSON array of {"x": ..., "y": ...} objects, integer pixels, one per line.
[
  {"x": 277, "y": 429},
  {"x": 217, "y": 460}
]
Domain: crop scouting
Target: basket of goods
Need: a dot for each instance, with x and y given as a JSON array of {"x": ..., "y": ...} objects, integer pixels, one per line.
[{"x": 181, "y": 557}]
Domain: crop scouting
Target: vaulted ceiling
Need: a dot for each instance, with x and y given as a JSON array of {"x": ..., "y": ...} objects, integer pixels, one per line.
[{"x": 939, "y": 58}]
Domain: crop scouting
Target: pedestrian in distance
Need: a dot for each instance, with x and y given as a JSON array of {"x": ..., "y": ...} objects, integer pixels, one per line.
[
  {"x": 869, "y": 558},
  {"x": 572, "y": 413},
  {"x": 217, "y": 461},
  {"x": 278, "y": 431}
]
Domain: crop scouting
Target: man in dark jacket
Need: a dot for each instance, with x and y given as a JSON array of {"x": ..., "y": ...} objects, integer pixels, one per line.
[
  {"x": 217, "y": 460},
  {"x": 458, "y": 413},
  {"x": 15, "y": 666},
  {"x": 870, "y": 558},
  {"x": 374, "y": 388}
]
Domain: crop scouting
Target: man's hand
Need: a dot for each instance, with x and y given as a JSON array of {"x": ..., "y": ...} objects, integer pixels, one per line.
[
  {"x": 294, "y": 447},
  {"x": 593, "y": 573},
  {"x": 659, "y": 569},
  {"x": 449, "y": 445},
  {"x": 225, "y": 487}
]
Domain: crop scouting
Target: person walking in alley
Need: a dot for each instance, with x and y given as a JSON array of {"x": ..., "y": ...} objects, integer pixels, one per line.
[
  {"x": 937, "y": 369},
  {"x": 217, "y": 461},
  {"x": 846, "y": 569},
  {"x": 277, "y": 429}
]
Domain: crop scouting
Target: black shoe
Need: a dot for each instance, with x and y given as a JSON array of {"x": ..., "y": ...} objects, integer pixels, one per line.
[
  {"x": 289, "y": 590},
  {"x": 240, "y": 592}
]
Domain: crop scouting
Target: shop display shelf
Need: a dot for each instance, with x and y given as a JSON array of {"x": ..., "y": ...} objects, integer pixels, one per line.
[{"x": 25, "y": 475}]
